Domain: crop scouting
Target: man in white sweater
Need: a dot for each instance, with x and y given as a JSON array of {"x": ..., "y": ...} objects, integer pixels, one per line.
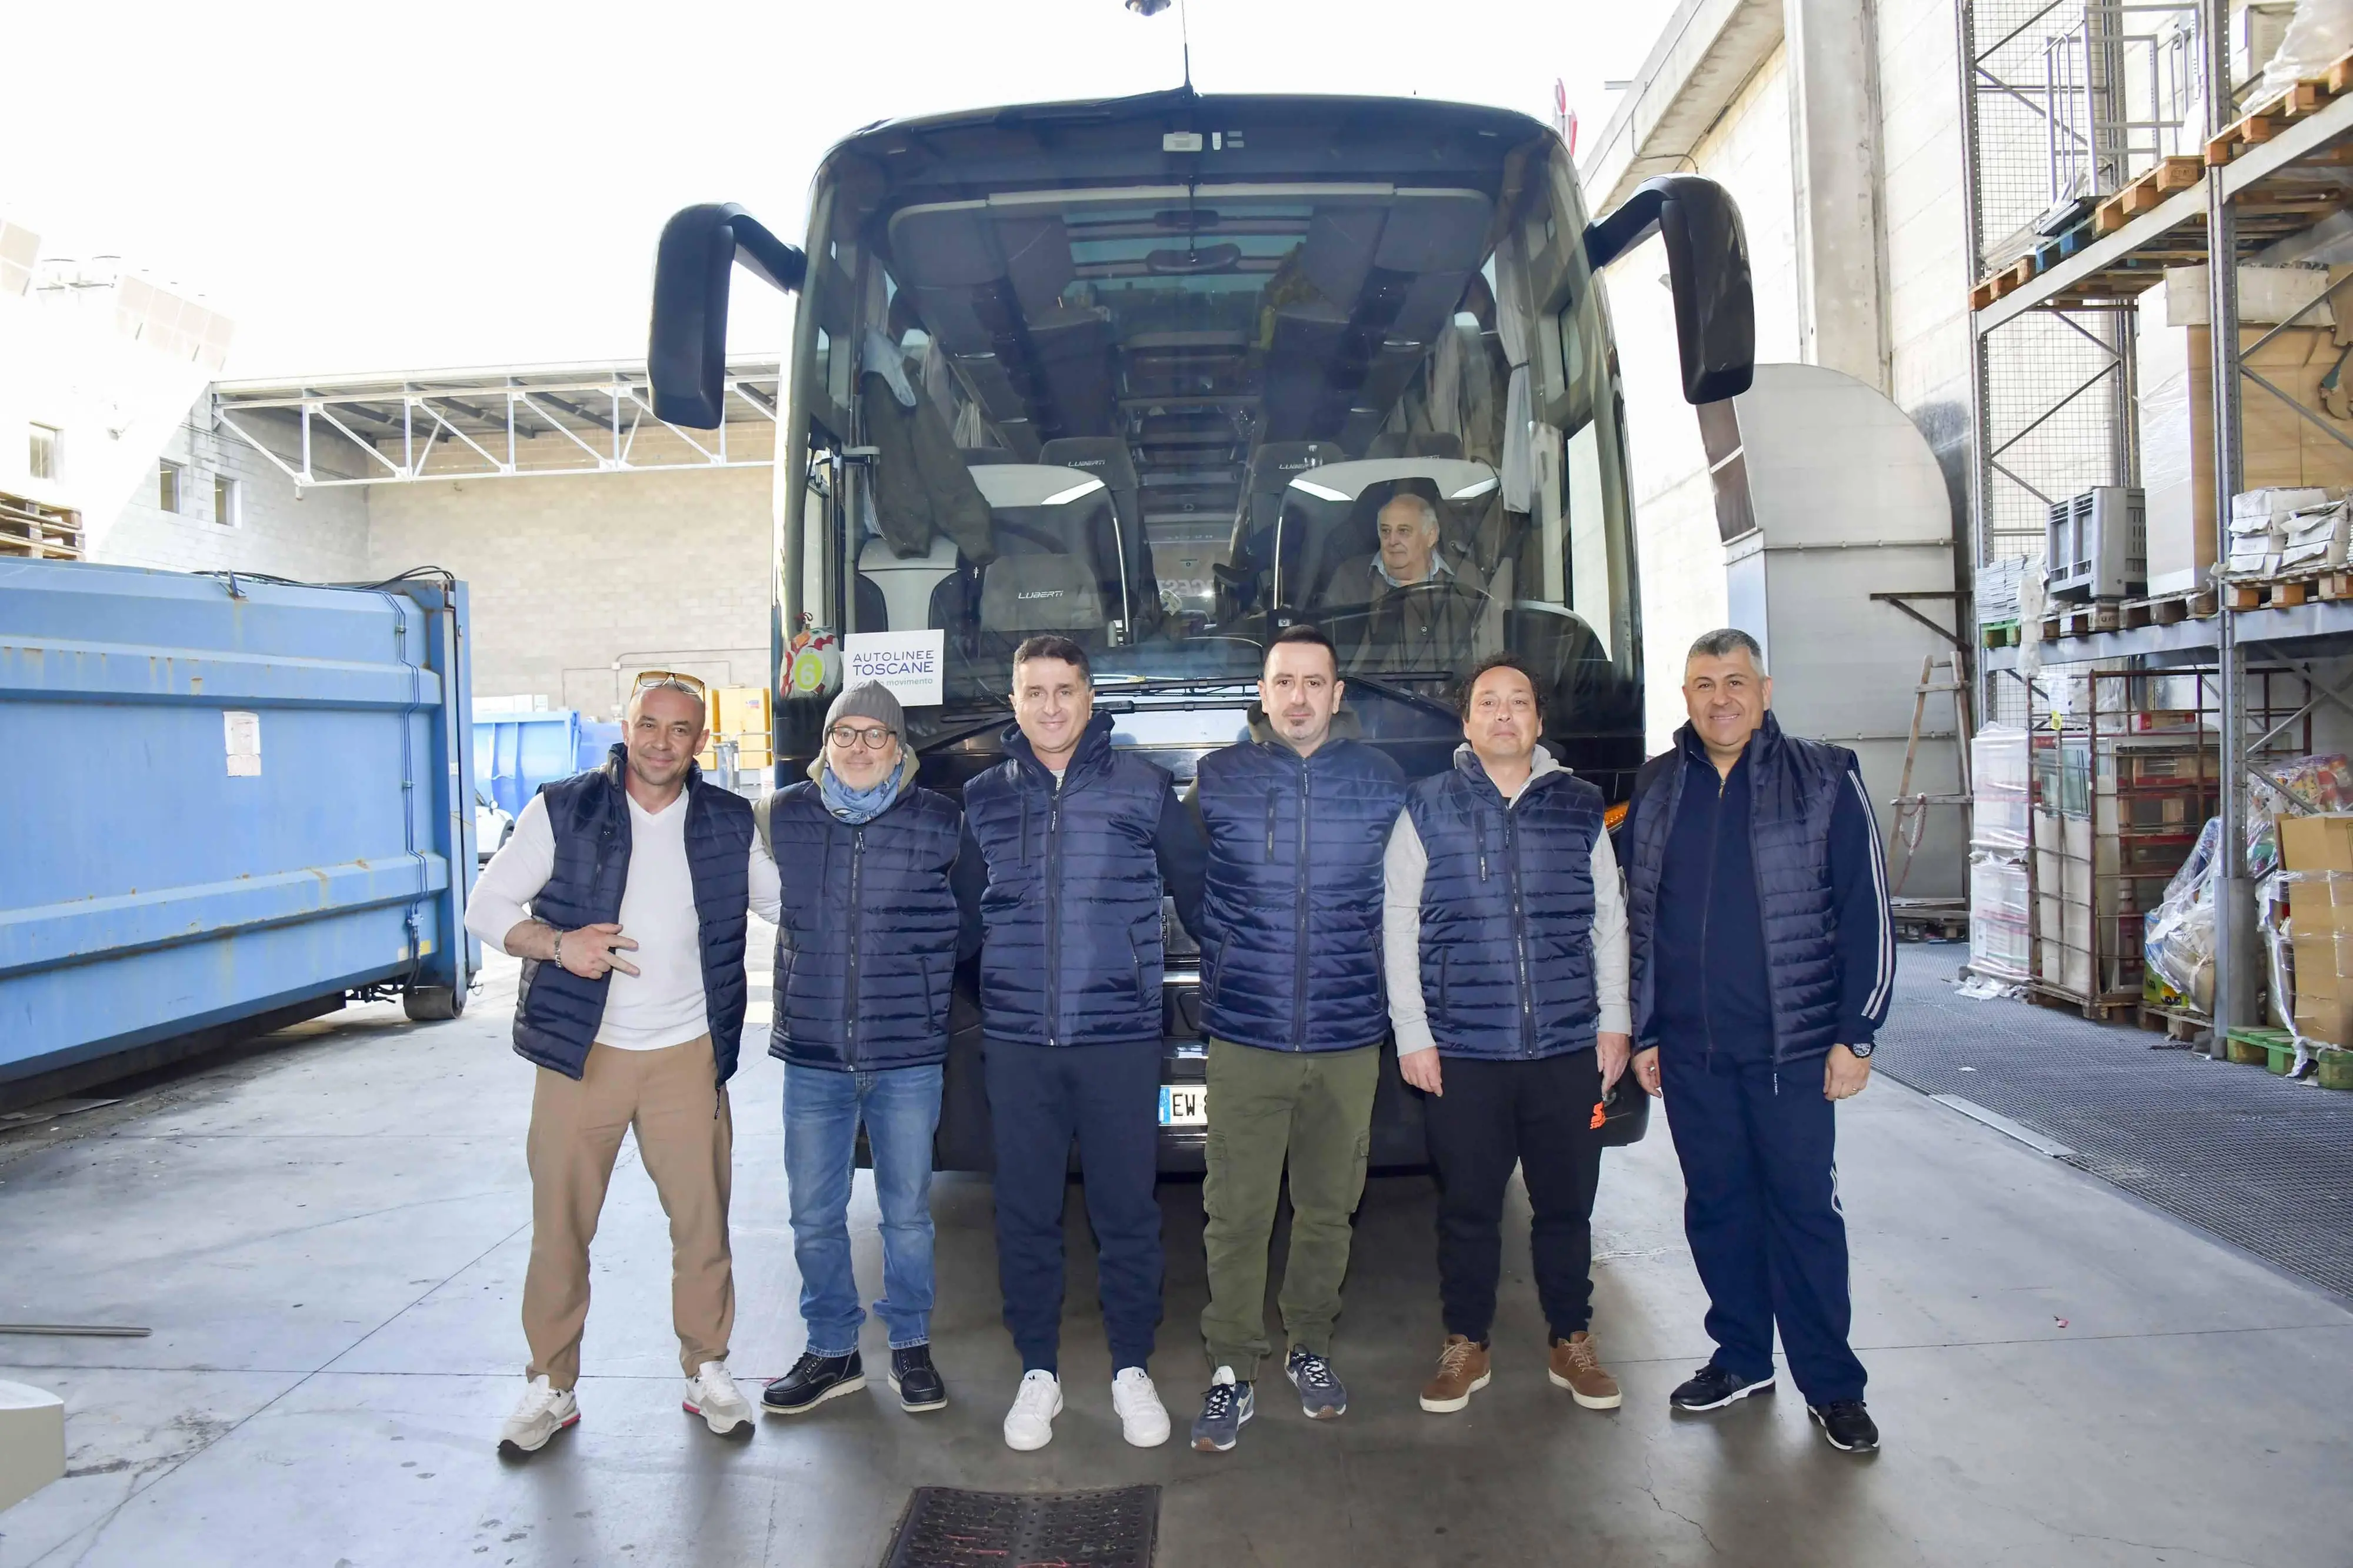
[
  {"x": 1503, "y": 938},
  {"x": 637, "y": 877}
]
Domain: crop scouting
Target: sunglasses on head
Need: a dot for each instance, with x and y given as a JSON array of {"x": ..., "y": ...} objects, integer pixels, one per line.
[{"x": 655, "y": 679}]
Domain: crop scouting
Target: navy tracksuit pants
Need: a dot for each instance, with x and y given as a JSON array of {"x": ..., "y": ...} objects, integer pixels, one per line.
[
  {"x": 1108, "y": 1098},
  {"x": 1761, "y": 1210}
]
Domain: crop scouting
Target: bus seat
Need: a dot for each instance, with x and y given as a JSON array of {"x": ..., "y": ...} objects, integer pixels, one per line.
[
  {"x": 1271, "y": 468},
  {"x": 1107, "y": 459},
  {"x": 1023, "y": 594},
  {"x": 901, "y": 588},
  {"x": 981, "y": 457}
]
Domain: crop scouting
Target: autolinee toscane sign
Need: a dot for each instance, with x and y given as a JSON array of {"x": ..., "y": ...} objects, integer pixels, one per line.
[{"x": 911, "y": 664}]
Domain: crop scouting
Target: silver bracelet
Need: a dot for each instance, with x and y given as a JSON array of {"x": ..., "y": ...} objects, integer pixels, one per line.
[{"x": 559, "y": 949}]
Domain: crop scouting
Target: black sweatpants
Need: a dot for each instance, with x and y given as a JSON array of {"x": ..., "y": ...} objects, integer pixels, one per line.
[
  {"x": 1760, "y": 1153},
  {"x": 1540, "y": 1116},
  {"x": 1108, "y": 1098}
]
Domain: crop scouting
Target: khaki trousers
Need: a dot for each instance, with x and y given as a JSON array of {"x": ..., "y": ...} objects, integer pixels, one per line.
[{"x": 686, "y": 1138}]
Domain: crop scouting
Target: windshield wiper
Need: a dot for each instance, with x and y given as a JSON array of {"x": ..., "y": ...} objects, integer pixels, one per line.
[{"x": 1405, "y": 694}]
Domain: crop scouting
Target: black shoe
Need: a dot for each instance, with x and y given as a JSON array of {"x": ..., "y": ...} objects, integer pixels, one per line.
[
  {"x": 1712, "y": 1388},
  {"x": 1847, "y": 1425},
  {"x": 814, "y": 1380},
  {"x": 916, "y": 1381}
]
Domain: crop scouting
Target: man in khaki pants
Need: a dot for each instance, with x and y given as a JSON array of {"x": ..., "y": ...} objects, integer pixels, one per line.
[{"x": 638, "y": 876}]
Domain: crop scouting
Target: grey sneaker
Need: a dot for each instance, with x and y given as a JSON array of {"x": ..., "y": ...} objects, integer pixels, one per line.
[
  {"x": 1321, "y": 1393},
  {"x": 1224, "y": 1408}
]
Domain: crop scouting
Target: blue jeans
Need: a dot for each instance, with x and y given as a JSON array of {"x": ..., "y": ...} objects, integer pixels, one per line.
[{"x": 900, "y": 1108}]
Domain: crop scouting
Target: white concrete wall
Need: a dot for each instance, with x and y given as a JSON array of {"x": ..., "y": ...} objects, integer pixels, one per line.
[
  {"x": 1748, "y": 153},
  {"x": 72, "y": 357},
  {"x": 570, "y": 574},
  {"x": 1927, "y": 230},
  {"x": 318, "y": 536}
]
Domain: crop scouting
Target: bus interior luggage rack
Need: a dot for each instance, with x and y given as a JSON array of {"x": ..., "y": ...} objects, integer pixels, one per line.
[{"x": 2122, "y": 784}]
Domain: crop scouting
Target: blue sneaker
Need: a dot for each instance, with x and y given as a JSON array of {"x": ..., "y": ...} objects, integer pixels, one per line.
[
  {"x": 1224, "y": 1408},
  {"x": 1321, "y": 1393}
]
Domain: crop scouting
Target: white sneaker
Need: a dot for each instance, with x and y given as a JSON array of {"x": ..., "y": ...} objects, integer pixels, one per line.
[
  {"x": 1030, "y": 1422},
  {"x": 1142, "y": 1419},
  {"x": 545, "y": 1412},
  {"x": 711, "y": 1393}
]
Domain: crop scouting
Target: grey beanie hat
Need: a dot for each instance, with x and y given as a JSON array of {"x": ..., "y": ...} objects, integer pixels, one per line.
[{"x": 869, "y": 700}]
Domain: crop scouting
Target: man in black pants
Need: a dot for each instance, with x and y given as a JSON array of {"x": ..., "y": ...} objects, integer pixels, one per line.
[
  {"x": 1505, "y": 950},
  {"x": 1067, "y": 846},
  {"x": 1761, "y": 947}
]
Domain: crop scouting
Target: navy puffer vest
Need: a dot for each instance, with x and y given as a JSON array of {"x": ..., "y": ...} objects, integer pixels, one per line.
[
  {"x": 1793, "y": 788},
  {"x": 1507, "y": 912},
  {"x": 866, "y": 955},
  {"x": 1291, "y": 938},
  {"x": 1071, "y": 940},
  {"x": 556, "y": 1012}
]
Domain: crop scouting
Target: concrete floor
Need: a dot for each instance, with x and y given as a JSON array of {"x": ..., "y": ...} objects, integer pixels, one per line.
[{"x": 328, "y": 1237}]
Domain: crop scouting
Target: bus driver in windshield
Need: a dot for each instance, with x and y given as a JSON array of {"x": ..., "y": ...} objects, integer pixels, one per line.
[
  {"x": 1408, "y": 530},
  {"x": 1422, "y": 618}
]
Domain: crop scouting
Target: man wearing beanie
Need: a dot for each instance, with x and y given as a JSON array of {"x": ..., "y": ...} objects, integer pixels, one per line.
[{"x": 866, "y": 948}]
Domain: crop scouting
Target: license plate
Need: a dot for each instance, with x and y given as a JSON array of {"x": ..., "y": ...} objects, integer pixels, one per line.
[{"x": 1184, "y": 1105}]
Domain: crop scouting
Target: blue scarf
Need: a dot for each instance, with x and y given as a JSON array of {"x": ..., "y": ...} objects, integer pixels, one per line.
[{"x": 861, "y": 806}]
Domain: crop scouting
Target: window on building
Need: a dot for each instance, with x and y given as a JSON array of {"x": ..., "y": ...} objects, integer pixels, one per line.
[
  {"x": 47, "y": 453},
  {"x": 228, "y": 499},
  {"x": 167, "y": 486}
]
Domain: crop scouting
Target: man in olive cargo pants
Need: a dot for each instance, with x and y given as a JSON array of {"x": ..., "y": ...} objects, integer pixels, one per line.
[{"x": 1297, "y": 820}]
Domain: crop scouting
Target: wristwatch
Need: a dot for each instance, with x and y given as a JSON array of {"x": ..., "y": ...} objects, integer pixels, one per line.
[{"x": 1861, "y": 1053}]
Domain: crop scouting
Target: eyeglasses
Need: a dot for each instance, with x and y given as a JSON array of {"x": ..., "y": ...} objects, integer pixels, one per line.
[
  {"x": 652, "y": 679},
  {"x": 847, "y": 737}
]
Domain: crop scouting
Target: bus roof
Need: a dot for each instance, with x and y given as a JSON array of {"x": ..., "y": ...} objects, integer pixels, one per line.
[{"x": 1152, "y": 139}]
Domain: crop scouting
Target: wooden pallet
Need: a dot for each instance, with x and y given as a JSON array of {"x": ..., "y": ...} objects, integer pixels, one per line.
[
  {"x": 2326, "y": 584},
  {"x": 2170, "y": 175},
  {"x": 2172, "y": 609},
  {"x": 2176, "y": 1024},
  {"x": 2276, "y": 114},
  {"x": 2099, "y": 1009},
  {"x": 28, "y": 528},
  {"x": 1999, "y": 634}
]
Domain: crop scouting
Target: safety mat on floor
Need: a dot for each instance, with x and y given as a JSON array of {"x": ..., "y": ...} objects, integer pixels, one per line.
[
  {"x": 946, "y": 1528},
  {"x": 2261, "y": 1161}
]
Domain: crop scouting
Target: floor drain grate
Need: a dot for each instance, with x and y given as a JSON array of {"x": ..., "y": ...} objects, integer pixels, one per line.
[{"x": 946, "y": 1528}]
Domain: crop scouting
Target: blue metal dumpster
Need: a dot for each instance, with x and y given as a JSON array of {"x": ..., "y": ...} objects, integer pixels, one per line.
[
  {"x": 515, "y": 753},
  {"x": 230, "y": 799}
]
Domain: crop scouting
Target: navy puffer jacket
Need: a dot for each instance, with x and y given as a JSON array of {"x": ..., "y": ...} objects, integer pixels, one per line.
[
  {"x": 1291, "y": 917},
  {"x": 1070, "y": 912},
  {"x": 866, "y": 952},
  {"x": 556, "y": 1012},
  {"x": 1507, "y": 912},
  {"x": 1794, "y": 786}
]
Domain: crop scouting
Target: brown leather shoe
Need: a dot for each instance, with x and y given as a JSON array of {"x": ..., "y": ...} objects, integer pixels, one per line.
[
  {"x": 1462, "y": 1371},
  {"x": 1577, "y": 1366}
]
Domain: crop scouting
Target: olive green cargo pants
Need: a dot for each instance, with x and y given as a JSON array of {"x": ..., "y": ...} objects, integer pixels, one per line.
[{"x": 1315, "y": 1110}]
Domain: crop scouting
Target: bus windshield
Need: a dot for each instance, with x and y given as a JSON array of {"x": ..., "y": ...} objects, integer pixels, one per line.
[{"x": 1167, "y": 403}]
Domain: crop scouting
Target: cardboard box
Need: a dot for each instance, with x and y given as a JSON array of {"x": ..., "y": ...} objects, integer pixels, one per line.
[
  {"x": 2281, "y": 448},
  {"x": 2317, "y": 844}
]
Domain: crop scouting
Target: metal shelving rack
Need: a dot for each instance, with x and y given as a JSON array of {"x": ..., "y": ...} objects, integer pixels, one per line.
[{"x": 2054, "y": 389}]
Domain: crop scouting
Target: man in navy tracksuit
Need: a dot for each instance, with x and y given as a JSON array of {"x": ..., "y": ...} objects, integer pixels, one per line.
[
  {"x": 1762, "y": 947},
  {"x": 1068, "y": 844}
]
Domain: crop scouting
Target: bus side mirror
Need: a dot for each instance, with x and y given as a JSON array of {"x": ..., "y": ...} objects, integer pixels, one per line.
[
  {"x": 686, "y": 359},
  {"x": 1707, "y": 264}
]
